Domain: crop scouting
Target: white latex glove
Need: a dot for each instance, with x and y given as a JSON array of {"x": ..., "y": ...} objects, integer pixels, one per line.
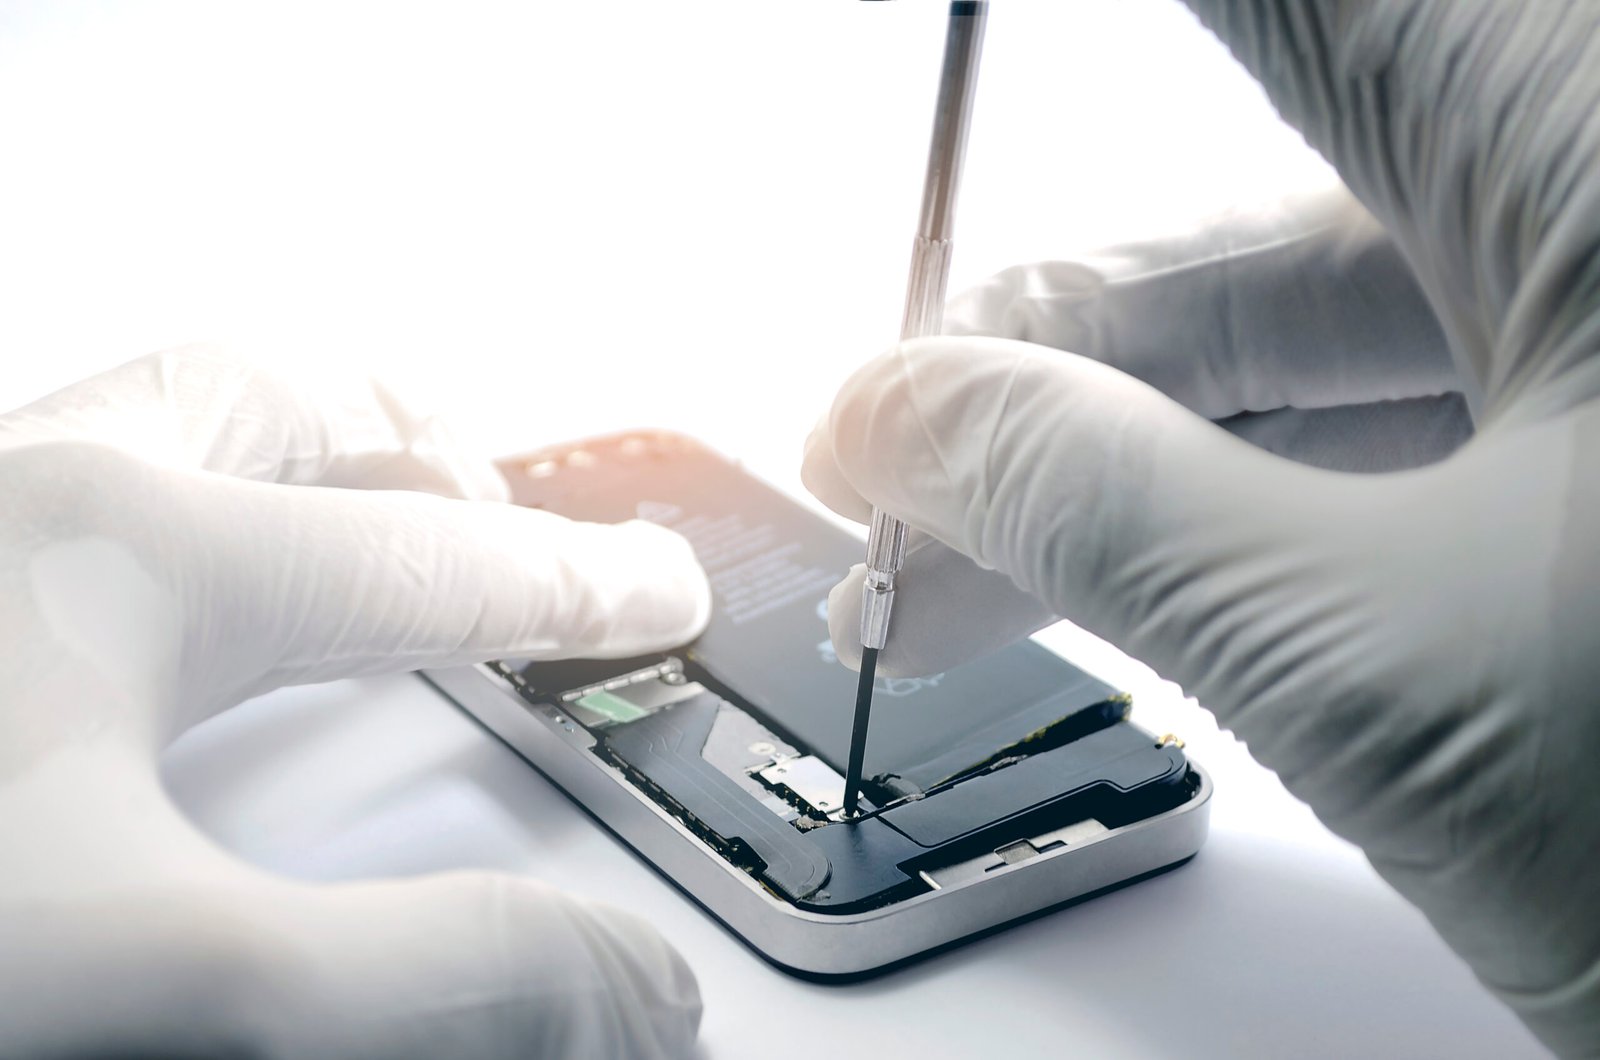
[
  {"x": 1416, "y": 653},
  {"x": 170, "y": 547}
]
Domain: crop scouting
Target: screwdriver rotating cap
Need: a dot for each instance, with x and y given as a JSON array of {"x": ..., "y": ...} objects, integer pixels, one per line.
[{"x": 886, "y": 554}]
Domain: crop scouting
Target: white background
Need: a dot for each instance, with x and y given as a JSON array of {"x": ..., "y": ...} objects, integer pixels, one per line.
[{"x": 559, "y": 218}]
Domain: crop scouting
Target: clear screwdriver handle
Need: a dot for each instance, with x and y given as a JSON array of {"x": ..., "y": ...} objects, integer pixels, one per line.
[
  {"x": 886, "y": 554},
  {"x": 930, "y": 272}
]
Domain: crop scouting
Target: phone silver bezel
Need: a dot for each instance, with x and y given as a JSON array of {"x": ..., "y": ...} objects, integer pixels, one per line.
[{"x": 800, "y": 941}]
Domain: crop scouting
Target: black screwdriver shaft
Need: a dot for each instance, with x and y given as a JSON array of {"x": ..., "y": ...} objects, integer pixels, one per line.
[{"x": 858, "y": 730}]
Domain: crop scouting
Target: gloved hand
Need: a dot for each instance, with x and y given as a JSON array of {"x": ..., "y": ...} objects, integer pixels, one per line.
[
  {"x": 172, "y": 545},
  {"x": 1415, "y": 653}
]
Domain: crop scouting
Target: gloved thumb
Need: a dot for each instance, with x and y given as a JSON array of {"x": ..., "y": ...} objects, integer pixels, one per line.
[
  {"x": 928, "y": 634},
  {"x": 1095, "y": 496}
]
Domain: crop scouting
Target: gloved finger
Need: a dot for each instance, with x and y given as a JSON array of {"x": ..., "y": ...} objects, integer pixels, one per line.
[
  {"x": 1375, "y": 437},
  {"x": 1304, "y": 303},
  {"x": 928, "y": 634},
  {"x": 820, "y": 474},
  {"x": 1466, "y": 128},
  {"x": 221, "y": 409},
  {"x": 312, "y": 584},
  {"x": 473, "y": 964},
  {"x": 1115, "y": 507}
]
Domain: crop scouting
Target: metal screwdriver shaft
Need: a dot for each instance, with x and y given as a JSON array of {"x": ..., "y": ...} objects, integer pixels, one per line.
[{"x": 924, "y": 315}]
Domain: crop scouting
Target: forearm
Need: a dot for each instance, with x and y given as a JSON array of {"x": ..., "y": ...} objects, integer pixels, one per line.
[{"x": 1468, "y": 128}]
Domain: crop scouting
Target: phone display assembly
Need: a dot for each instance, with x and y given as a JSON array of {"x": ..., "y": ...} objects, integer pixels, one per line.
[{"x": 991, "y": 792}]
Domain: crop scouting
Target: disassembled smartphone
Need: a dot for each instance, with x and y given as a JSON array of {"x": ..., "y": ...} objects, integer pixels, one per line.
[{"x": 994, "y": 791}]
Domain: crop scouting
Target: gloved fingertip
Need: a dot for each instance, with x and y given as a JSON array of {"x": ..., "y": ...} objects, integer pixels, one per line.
[
  {"x": 907, "y": 654},
  {"x": 948, "y": 610},
  {"x": 683, "y": 590},
  {"x": 882, "y": 443},
  {"x": 651, "y": 972},
  {"x": 844, "y": 618},
  {"x": 820, "y": 474}
]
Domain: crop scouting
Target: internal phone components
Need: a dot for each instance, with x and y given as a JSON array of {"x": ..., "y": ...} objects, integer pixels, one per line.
[
  {"x": 641, "y": 697},
  {"x": 809, "y": 780},
  {"x": 599, "y": 694},
  {"x": 664, "y": 751},
  {"x": 774, "y": 809},
  {"x": 600, "y": 699},
  {"x": 1116, "y": 760}
]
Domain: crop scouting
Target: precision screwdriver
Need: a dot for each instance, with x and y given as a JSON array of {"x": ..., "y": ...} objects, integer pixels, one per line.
[{"x": 924, "y": 315}]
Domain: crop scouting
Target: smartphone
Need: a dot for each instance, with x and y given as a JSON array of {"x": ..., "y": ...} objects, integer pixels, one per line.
[{"x": 993, "y": 791}]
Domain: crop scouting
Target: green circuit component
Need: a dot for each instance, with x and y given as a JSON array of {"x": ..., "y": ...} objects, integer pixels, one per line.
[{"x": 613, "y": 708}]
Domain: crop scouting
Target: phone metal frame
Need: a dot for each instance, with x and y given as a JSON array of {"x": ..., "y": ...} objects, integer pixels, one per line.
[{"x": 965, "y": 902}]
